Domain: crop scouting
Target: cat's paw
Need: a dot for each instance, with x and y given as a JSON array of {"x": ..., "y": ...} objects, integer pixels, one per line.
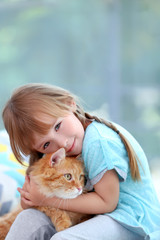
[{"x": 63, "y": 225}]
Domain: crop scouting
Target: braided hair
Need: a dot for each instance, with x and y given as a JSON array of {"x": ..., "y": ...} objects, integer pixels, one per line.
[{"x": 133, "y": 158}]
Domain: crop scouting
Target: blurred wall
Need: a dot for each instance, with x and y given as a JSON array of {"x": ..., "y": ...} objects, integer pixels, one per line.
[{"x": 105, "y": 51}]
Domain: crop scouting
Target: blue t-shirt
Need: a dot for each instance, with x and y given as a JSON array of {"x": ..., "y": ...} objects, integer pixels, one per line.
[{"x": 138, "y": 208}]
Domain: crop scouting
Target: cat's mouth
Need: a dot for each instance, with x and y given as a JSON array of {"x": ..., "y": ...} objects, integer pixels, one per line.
[
  {"x": 76, "y": 194},
  {"x": 68, "y": 195},
  {"x": 71, "y": 196}
]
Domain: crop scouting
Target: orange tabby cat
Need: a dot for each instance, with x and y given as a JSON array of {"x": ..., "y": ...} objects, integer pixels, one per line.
[{"x": 58, "y": 176}]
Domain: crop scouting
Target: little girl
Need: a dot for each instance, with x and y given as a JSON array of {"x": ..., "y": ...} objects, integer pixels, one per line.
[{"x": 41, "y": 119}]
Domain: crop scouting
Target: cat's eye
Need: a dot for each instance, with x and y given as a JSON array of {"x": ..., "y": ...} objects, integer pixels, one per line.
[
  {"x": 46, "y": 145},
  {"x": 68, "y": 176},
  {"x": 57, "y": 126}
]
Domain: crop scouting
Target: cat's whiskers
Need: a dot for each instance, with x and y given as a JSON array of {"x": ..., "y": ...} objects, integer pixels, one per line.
[
  {"x": 66, "y": 203},
  {"x": 63, "y": 202},
  {"x": 42, "y": 201},
  {"x": 82, "y": 194}
]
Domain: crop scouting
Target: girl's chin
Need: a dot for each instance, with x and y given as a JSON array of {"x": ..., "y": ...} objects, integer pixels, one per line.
[
  {"x": 74, "y": 153},
  {"x": 76, "y": 150}
]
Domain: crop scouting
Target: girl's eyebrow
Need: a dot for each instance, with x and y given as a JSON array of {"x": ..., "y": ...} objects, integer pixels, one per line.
[{"x": 38, "y": 146}]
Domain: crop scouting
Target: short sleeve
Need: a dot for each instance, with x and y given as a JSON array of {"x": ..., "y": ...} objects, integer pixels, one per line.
[{"x": 104, "y": 154}]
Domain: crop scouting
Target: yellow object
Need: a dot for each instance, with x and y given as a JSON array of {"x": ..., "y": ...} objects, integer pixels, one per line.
[{"x": 3, "y": 148}]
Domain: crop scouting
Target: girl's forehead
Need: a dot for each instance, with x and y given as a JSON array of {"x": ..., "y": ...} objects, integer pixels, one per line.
[{"x": 48, "y": 119}]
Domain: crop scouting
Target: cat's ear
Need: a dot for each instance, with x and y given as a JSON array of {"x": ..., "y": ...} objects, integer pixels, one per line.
[{"x": 57, "y": 156}]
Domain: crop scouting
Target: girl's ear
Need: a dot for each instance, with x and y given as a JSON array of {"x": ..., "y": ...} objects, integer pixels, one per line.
[
  {"x": 57, "y": 156},
  {"x": 73, "y": 106}
]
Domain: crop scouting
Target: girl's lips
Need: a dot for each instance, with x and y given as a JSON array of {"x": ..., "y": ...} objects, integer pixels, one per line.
[{"x": 71, "y": 147}]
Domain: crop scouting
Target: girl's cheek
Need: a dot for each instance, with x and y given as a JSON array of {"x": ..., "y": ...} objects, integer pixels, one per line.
[{"x": 51, "y": 149}]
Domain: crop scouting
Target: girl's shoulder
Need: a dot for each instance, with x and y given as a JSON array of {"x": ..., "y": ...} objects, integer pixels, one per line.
[
  {"x": 103, "y": 150},
  {"x": 99, "y": 136},
  {"x": 100, "y": 140},
  {"x": 96, "y": 131},
  {"x": 99, "y": 130}
]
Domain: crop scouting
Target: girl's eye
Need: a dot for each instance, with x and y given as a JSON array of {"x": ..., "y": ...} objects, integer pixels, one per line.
[
  {"x": 68, "y": 176},
  {"x": 57, "y": 126},
  {"x": 46, "y": 145}
]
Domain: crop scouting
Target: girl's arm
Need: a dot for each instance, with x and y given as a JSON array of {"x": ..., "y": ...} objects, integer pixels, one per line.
[{"x": 104, "y": 199}]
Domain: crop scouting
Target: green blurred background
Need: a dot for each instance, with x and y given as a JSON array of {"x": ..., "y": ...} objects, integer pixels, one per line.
[{"x": 105, "y": 51}]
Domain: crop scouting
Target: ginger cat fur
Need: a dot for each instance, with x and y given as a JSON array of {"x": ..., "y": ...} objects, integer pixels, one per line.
[{"x": 56, "y": 175}]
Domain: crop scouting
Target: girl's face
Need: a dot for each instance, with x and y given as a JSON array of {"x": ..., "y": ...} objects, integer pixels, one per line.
[{"x": 67, "y": 132}]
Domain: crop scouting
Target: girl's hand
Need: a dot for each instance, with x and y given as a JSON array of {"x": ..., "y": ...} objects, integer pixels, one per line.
[
  {"x": 30, "y": 194},
  {"x": 23, "y": 205}
]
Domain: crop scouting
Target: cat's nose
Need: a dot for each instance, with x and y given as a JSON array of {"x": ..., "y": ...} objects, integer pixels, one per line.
[{"x": 79, "y": 189}]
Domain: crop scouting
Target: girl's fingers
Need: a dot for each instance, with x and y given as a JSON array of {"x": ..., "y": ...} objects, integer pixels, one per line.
[
  {"x": 24, "y": 194},
  {"x": 19, "y": 189},
  {"x": 27, "y": 202},
  {"x": 26, "y": 185}
]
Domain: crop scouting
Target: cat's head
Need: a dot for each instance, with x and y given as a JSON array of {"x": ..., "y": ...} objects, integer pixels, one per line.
[{"x": 58, "y": 175}]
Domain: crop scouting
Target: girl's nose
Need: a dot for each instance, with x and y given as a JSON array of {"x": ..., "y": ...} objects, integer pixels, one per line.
[{"x": 62, "y": 142}]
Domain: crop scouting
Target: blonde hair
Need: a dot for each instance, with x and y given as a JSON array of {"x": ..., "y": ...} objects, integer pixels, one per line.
[{"x": 21, "y": 121}]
